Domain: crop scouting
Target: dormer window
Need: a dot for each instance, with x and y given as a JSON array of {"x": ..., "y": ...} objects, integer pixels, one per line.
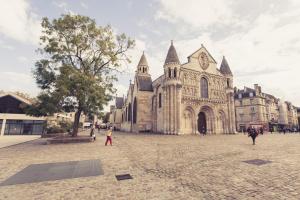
[
  {"x": 251, "y": 94},
  {"x": 240, "y": 95}
]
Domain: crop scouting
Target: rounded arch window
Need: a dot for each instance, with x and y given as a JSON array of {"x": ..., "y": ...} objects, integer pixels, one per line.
[{"x": 175, "y": 72}]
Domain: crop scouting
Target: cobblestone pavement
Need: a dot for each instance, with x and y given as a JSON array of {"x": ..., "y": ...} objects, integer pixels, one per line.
[
  {"x": 10, "y": 140},
  {"x": 164, "y": 167}
]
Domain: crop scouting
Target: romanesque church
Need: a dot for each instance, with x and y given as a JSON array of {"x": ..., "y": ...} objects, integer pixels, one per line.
[{"x": 189, "y": 98}]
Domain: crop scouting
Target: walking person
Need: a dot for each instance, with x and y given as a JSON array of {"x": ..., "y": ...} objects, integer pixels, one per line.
[
  {"x": 92, "y": 133},
  {"x": 108, "y": 136},
  {"x": 253, "y": 135},
  {"x": 261, "y": 130}
]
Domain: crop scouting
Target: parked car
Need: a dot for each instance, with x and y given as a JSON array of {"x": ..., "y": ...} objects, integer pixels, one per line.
[
  {"x": 103, "y": 126},
  {"x": 87, "y": 125}
]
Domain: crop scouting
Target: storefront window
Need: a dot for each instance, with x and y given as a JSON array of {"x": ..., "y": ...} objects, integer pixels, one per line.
[{"x": 24, "y": 127}]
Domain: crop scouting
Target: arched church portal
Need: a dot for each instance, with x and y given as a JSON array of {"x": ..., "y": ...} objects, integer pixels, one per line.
[
  {"x": 206, "y": 120},
  {"x": 202, "y": 123}
]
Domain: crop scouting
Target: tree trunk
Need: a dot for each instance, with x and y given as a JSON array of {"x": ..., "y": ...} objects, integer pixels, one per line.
[{"x": 76, "y": 123}]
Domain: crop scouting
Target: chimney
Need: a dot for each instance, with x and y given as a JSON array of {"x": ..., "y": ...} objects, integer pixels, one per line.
[{"x": 257, "y": 89}]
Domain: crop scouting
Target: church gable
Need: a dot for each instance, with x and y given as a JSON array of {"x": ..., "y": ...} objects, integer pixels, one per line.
[{"x": 201, "y": 60}]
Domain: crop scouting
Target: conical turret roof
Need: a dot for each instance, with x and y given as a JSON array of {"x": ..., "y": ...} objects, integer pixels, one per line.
[
  {"x": 172, "y": 55},
  {"x": 225, "y": 69},
  {"x": 143, "y": 61}
]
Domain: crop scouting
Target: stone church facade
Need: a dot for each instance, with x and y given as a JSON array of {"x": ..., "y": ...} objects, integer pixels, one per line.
[{"x": 189, "y": 98}]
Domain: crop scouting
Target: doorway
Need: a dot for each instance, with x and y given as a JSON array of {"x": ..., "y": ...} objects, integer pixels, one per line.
[{"x": 202, "y": 128}]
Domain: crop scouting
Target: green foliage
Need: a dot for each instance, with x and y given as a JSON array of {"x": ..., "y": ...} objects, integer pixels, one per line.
[
  {"x": 62, "y": 127},
  {"x": 55, "y": 129},
  {"x": 66, "y": 125},
  {"x": 79, "y": 65}
]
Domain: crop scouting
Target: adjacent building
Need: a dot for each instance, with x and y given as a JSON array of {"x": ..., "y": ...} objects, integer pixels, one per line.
[
  {"x": 116, "y": 116},
  {"x": 189, "y": 98},
  {"x": 257, "y": 109},
  {"x": 14, "y": 121}
]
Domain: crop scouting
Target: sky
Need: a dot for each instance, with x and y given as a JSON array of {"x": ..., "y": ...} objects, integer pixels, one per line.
[{"x": 259, "y": 38}]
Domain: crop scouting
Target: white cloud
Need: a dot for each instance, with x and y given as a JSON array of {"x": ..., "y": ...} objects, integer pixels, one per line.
[
  {"x": 198, "y": 13},
  {"x": 19, "y": 22},
  {"x": 262, "y": 45},
  {"x": 13, "y": 81},
  {"x": 134, "y": 55},
  {"x": 60, "y": 4},
  {"x": 3, "y": 45},
  {"x": 22, "y": 59},
  {"x": 84, "y": 5},
  {"x": 65, "y": 6}
]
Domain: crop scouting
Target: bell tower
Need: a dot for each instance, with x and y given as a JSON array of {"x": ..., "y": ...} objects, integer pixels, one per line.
[
  {"x": 225, "y": 70},
  {"x": 172, "y": 92},
  {"x": 143, "y": 68}
]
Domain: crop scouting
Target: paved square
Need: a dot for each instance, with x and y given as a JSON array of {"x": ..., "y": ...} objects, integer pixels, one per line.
[
  {"x": 163, "y": 167},
  {"x": 55, "y": 171}
]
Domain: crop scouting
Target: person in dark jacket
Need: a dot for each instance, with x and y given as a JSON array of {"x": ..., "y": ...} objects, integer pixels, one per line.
[
  {"x": 261, "y": 130},
  {"x": 249, "y": 131},
  {"x": 253, "y": 134}
]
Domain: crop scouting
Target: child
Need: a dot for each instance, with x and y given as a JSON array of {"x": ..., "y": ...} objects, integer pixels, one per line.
[{"x": 108, "y": 136}]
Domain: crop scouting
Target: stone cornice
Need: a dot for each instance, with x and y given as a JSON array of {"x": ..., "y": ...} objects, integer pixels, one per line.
[{"x": 198, "y": 100}]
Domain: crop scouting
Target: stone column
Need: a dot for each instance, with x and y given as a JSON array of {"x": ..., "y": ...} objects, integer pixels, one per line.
[
  {"x": 229, "y": 113},
  {"x": 170, "y": 110},
  {"x": 178, "y": 109},
  {"x": 165, "y": 110},
  {"x": 3, "y": 127},
  {"x": 233, "y": 115},
  {"x": 173, "y": 110}
]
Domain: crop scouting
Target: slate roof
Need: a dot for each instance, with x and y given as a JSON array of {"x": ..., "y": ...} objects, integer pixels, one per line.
[
  {"x": 245, "y": 93},
  {"x": 172, "y": 55},
  {"x": 225, "y": 69},
  {"x": 18, "y": 97},
  {"x": 143, "y": 61},
  {"x": 144, "y": 83},
  {"x": 119, "y": 102}
]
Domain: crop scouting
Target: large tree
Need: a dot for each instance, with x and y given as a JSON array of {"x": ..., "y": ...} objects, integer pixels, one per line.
[{"x": 78, "y": 65}]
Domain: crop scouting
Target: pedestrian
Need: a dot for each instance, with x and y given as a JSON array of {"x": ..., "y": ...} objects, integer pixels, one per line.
[
  {"x": 108, "y": 136},
  {"x": 261, "y": 130},
  {"x": 253, "y": 134},
  {"x": 92, "y": 133},
  {"x": 249, "y": 131}
]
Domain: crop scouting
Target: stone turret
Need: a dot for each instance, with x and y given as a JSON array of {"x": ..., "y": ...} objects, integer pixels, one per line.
[
  {"x": 225, "y": 70},
  {"x": 143, "y": 67},
  {"x": 172, "y": 63},
  {"x": 172, "y": 92}
]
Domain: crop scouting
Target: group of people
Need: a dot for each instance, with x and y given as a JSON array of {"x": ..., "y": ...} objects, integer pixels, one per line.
[{"x": 108, "y": 134}]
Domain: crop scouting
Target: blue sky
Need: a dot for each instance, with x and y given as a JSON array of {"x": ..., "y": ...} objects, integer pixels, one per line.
[{"x": 260, "y": 38}]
